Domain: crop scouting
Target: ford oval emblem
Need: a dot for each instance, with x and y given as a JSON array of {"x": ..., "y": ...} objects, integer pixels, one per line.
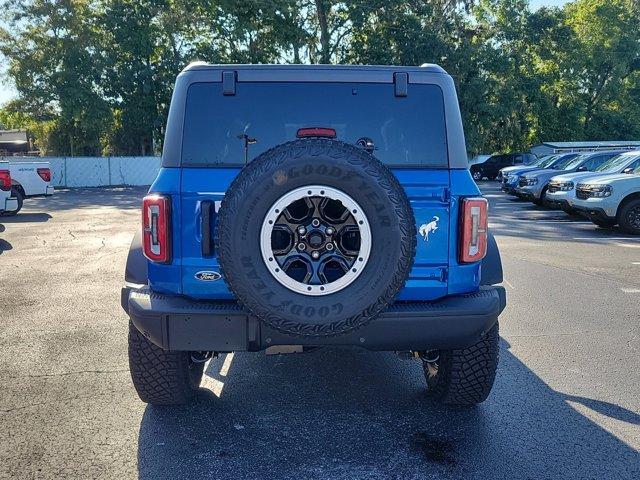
[{"x": 208, "y": 276}]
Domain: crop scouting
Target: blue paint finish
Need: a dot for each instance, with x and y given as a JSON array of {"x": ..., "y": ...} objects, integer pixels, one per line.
[
  {"x": 166, "y": 278},
  {"x": 428, "y": 192},
  {"x": 200, "y": 185},
  {"x": 463, "y": 278},
  {"x": 432, "y": 193}
]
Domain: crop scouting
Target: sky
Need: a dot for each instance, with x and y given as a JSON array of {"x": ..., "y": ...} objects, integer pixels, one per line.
[{"x": 7, "y": 91}]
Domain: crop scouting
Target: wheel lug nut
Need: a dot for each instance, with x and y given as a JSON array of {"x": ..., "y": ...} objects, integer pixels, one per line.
[
  {"x": 315, "y": 255},
  {"x": 301, "y": 246},
  {"x": 315, "y": 222},
  {"x": 329, "y": 231},
  {"x": 302, "y": 230}
]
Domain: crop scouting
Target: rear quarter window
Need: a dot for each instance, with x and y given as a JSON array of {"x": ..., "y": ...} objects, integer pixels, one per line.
[{"x": 406, "y": 131}]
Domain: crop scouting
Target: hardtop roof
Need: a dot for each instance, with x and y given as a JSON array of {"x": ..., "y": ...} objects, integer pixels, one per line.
[{"x": 427, "y": 67}]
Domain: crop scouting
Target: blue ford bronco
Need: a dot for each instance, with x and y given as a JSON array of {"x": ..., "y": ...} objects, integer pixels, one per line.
[{"x": 308, "y": 206}]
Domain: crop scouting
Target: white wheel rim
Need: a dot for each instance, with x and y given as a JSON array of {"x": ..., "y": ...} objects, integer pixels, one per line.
[{"x": 356, "y": 218}]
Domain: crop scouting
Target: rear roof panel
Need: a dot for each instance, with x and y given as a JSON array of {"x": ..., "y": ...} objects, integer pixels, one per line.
[{"x": 428, "y": 74}]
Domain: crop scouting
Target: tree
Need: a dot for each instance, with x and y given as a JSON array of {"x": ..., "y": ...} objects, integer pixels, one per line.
[
  {"x": 55, "y": 67},
  {"x": 96, "y": 75}
]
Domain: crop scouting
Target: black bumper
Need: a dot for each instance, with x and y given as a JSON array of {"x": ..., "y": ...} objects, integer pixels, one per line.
[
  {"x": 561, "y": 204},
  {"x": 594, "y": 214},
  {"x": 179, "y": 323},
  {"x": 530, "y": 197}
]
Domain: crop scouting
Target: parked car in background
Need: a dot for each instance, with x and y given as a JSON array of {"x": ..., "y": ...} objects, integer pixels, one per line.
[
  {"x": 561, "y": 191},
  {"x": 28, "y": 179},
  {"x": 495, "y": 163},
  {"x": 517, "y": 168},
  {"x": 533, "y": 185},
  {"x": 478, "y": 159},
  {"x": 6, "y": 201},
  {"x": 510, "y": 178},
  {"x": 613, "y": 199}
]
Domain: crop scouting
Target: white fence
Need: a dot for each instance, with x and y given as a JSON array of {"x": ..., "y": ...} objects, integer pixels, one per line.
[{"x": 98, "y": 171}]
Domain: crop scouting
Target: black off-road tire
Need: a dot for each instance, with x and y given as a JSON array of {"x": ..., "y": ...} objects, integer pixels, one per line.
[
  {"x": 464, "y": 377},
  {"x": 161, "y": 377},
  {"x": 628, "y": 217},
  {"x": 335, "y": 164},
  {"x": 17, "y": 193}
]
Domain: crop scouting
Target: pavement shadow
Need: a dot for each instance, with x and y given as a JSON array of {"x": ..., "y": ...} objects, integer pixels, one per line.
[
  {"x": 336, "y": 413},
  {"x": 23, "y": 217}
]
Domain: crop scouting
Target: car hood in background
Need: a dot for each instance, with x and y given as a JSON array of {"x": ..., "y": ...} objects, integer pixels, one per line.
[
  {"x": 545, "y": 174},
  {"x": 611, "y": 178},
  {"x": 570, "y": 177},
  {"x": 517, "y": 170}
]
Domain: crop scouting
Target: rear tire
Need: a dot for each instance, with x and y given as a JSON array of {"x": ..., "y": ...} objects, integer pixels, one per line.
[
  {"x": 464, "y": 376},
  {"x": 629, "y": 217},
  {"x": 161, "y": 377},
  {"x": 17, "y": 193}
]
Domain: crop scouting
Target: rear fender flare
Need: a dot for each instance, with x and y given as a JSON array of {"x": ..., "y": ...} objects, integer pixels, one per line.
[
  {"x": 491, "y": 266},
  {"x": 136, "y": 270}
]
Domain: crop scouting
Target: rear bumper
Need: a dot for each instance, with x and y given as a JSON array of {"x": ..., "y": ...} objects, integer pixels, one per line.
[
  {"x": 9, "y": 204},
  {"x": 49, "y": 190},
  {"x": 178, "y": 323}
]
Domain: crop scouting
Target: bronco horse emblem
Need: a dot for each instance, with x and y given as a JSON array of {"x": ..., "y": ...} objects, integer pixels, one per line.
[{"x": 427, "y": 228}]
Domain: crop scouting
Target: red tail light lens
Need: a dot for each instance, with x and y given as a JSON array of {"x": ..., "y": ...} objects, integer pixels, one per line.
[
  {"x": 473, "y": 235},
  {"x": 45, "y": 174},
  {"x": 156, "y": 231},
  {"x": 316, "y": 132},
  {"x": 5, "y": 180}
]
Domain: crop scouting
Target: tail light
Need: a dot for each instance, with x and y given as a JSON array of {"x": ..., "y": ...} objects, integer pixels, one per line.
[
  {"x": 473, "y": 237},
  {"x": 156, "y": 228},
  {"x": 45, "y": 174},
  {"x": 5, "y": 180}
]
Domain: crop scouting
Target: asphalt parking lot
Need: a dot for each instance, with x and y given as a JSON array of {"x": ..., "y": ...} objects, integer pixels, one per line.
[{"x": 566, "y": 403}]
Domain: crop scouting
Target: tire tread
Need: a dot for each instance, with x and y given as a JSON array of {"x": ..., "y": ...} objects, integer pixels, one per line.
[
  {"x": 160, "y": 377},
  {"x": 466, "y": 375}
]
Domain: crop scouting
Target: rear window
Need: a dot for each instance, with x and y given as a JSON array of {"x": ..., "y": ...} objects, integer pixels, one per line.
[{"x": 405, "y": 131}]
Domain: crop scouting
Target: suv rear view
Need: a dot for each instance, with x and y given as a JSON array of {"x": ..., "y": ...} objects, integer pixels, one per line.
[{"x": 306, "y": 206}]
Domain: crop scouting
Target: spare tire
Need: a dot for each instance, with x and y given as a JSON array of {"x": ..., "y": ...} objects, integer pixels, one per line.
[{"x": 315, "y": 237}]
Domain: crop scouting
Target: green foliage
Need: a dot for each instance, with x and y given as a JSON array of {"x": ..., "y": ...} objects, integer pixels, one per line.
[{"x": 95, "y": 76}]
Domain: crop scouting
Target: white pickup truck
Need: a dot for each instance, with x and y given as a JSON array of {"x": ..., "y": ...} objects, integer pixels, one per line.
[
  {"x": 28, "y": 179},
  {"x": 7, "y": 202}
]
